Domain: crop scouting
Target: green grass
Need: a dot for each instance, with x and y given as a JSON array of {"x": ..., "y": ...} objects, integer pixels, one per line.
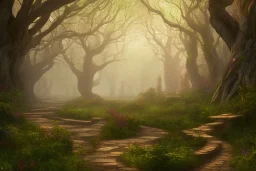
[
  {"x": 241, "y": 133},
  {"x": 24, "y": 146},
  {"x": 242, "y": 136},
  {"x": 176, "y": 114},
  {"x": 174, "y": 152},
  {"x": 120, "y": 127},
  {"x": 76, "y": 113}
]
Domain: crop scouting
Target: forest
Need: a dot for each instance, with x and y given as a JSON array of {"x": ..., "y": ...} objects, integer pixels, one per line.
[{"x": 127, "y": 85}]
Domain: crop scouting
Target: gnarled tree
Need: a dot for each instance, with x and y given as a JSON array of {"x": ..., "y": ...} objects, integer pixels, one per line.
[
  {"x": 240, "y": 37},
  {"x": 106, "y": 27},
  {"x": 195, "y": 15},
  {"x": 34, "y": 68},
  {"x": 25, "y": 30},
  {"x": 195, "y": 24},
  {"x": 190, "y": 44},
  {"x": 163, "y": 50}
]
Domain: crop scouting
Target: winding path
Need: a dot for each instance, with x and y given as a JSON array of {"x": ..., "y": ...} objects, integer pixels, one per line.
[
  {"x": 216, "y": 154},
  {"x": 105, "y": 158}
]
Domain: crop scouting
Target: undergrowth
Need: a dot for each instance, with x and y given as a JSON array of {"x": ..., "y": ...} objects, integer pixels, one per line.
[
  {"x": 241, "y": 133},
  {"x": 25, "y": 146}
]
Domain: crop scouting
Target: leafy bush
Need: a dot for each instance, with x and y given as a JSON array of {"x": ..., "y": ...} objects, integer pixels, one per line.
[
  {"x": 13, "y": 97},
  {"x": 25, "y": 146},
  {"x": 241, "y": 133},
  {"x": 29, "y": 148},
  {"x": 245, "y": 162},
  {"x": 172, "y": 153},
  {"x": 11, "y": 108},
  {"x": 119, "y": 127}
]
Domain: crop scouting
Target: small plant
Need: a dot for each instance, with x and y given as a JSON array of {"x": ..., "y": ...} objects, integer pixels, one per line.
[
  {"x": 159, "y": 157},
  {"x": 24, "y": 146},
  {"x": 119, "y": 126}
]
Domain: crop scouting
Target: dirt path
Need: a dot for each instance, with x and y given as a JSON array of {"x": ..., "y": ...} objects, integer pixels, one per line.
[
  {"x": 216, "y": 153},
  {"x": 105, "y": 158}
]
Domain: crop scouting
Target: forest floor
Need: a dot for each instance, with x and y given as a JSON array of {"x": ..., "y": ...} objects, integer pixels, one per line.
[
  {"x": 147, "y": 134},
  {"x": 105, "y": 157},
  {"x": 216, "y": 153},
  {"x": 159, "y": 144}
]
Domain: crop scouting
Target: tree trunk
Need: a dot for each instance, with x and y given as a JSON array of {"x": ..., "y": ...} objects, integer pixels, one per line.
[
  {"x": 167, "y": 79},
  {"x": 6, "y": 45},
  {"x": 171, "y": 74},
  {"x": 29, "y": 93},
  {"x": 213, "y": 61},
  {"x": 191, "y": 64},
  {"x": 241, "y": 71},
  {"x": 85, "y": 84},
  {"x": 12, "y": 48}
]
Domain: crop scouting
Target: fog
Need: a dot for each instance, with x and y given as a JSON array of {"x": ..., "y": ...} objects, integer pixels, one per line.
[
  {"x": 139, "y": 58},
  {"x": 138, "y": 69}
]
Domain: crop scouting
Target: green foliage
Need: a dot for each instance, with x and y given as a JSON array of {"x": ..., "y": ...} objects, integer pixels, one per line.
[
  {"x": 29, "y": 148},
  {"x": 173, "y": 115},
  {"x": 172, "y": 153},
  {"x": 11, "y": 107},
  {"x": 245, "y": 162},
  {"x": 77, "y": 113},
  {"x": 120, "y": 127},
  {"x": 241, "y": 133},
  {"x": 24, "y": 146},
  {"x": 12, "y": 97}
]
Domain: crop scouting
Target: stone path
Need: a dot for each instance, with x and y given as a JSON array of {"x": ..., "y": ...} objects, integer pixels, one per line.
[
  {"x": 216, "y": 153},
  {"x": 105, "y": 158},
  {"x": 82, "y": 131}
]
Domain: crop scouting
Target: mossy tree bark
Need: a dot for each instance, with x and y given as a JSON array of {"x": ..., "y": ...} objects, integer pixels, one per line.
[{"x": 240, "y": 36}]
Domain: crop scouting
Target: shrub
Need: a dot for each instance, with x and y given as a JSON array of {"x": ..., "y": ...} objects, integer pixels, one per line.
[
  {"x": 173, "y": 152},
  {"x": 119, "y": 127},
  {"x": 241, "y": 133},
  {"x": 245, "y": 161},
  {"x": 29, "y": 148},
  {"x": 24, "y": 146},
  {"x": 11, "y": 108},
  {"x": 159, "y": 158}
]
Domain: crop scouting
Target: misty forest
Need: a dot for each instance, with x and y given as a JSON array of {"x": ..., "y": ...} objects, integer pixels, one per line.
[{"x": 127, "y": 85}]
